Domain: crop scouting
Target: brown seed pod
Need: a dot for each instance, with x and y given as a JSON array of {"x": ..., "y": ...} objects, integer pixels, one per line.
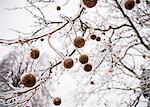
[
  {"x": 68, "y": 63},
  {"x": 129, "y": 4},
  {"x": 57, "y": 101},
  {"x": 42, "y": 39},
  {"x": 98, "y": 38},
  {"x": 93, "y": 36},
  {"x": 83, "y": 59},
  {"x": 58, "y": 8},
  {"x": 79, "y": 42},
  {"x": 35, "y": 53},
  {"x": 88, "y": 67},
  {"x": 28, "y": 80},
  {"x": 90, "y": 3}
]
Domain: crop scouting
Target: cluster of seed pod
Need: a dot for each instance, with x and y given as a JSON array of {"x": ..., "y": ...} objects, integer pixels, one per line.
[
  {"x": 79, "y": 42},
  {"x": 129, "y": 4},
  {"x": 83, "y": 59},
  {"x": 94, "y": 37},
  {"x": 28, "y": 79}
]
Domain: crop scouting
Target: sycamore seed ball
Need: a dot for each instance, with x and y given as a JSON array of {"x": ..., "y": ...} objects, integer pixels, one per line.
[
  {"x": 90, "y": 3},
  {"x": 79, "y": 42},
  {"x": 129, "y": 4},
  {"x": 93, "y": 36},
  {"x": 98, "y": 39},
  {"x": 88, "y": 67},
  {"x": 68, "y": 63},
  {"x": 83, "y": 59},
  {"x": 57, "y": 101},
  {"x": 58, "y": 8},
  {"x": 35, "y": 53},
  {"x": 28, "y": 80}
]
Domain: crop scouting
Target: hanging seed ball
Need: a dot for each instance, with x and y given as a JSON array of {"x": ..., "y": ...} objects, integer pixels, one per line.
[
  {"x": 83, "y": 59},
  {"x": 58, "y": 8},
  {"x": 129, "y": 4},
  {"x": 68, "y": 63},
  {"x": 28, "y": 80},
  {"x": 79, "y": 42},
  {"x": 57, "y": 101},
  {"x": 93, "y": 36},
  {"x": 35, "y": 53},
  {"x": 42, "y": 39},
  {"x": 98, "y": 38},
  {"x": 137, "y": 1},
  {"x": 90, "y": 3},
  {"x": 88, "y": 67}
]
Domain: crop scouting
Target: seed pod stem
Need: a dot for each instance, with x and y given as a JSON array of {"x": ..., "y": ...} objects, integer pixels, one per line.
[
  {"x": 55, "y": 48},
  {"x": 46, "y": 91}
]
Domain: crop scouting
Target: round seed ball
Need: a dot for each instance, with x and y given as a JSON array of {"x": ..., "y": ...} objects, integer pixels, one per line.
[
  {"x": 68, "y": 63},
  {"x": 88, "y": 67},
  {"x": 28, "y": 80},
  {"x": 129, "y": 4},
  {"x": 35, "y": 53},
  {"x": 42, "y": 39},
  {"x": 83, "y": 59},
  {"x": 93, "y": 36},
  {"x": 58, "y": 8},
  {"x": 79, "y": 42},
  {"x": 57, "y": 101},
  {"x": 90, "y": 3},
  {"x": 98, "y": 39}
]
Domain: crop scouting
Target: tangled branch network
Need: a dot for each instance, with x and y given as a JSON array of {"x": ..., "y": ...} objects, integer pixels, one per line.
[{"x": 79, "y": 53}]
